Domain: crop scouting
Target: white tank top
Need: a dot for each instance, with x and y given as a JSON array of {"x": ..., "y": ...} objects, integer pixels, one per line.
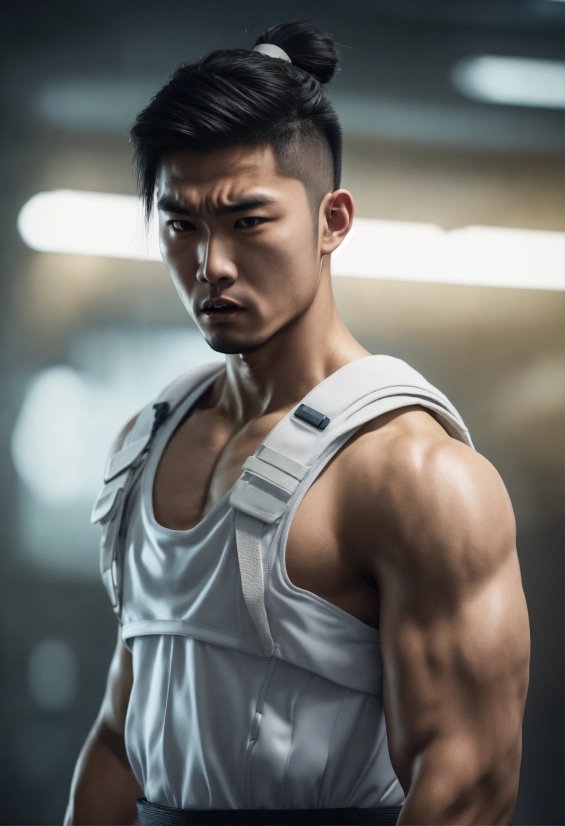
[{"x": 248, "y": 691}]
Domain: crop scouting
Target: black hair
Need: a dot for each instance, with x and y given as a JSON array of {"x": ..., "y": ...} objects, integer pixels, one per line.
[{"x": 238, "y": 97}]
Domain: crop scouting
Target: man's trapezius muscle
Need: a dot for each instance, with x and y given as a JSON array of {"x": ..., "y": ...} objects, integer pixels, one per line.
[{"x": 406, "y": 529}]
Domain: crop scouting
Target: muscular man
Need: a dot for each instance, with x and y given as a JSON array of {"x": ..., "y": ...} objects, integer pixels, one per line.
[{"x": 315, "y": 575}]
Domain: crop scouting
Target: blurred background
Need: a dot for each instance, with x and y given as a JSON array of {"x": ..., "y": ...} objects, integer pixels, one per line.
[{"x": 440, "y": 129}]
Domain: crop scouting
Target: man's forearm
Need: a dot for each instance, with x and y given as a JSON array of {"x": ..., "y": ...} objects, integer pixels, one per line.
[
  {"x": 459, "y": 794},
  {"x": 104, "y": 789}
]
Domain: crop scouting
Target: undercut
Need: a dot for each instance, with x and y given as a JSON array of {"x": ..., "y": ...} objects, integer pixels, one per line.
[{"x": 308, "y": 159}]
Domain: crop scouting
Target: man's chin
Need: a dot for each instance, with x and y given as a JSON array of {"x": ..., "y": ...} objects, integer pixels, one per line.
[{"x": 231, "y": 346}]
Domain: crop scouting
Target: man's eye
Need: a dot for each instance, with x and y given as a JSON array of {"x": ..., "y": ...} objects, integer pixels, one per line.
[
  {"x": 182, "y": 226},
  {"x": 248, "y": 222}
]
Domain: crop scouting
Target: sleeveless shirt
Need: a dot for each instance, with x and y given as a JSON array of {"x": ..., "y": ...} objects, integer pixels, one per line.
[{"x": 239, "y": 704}]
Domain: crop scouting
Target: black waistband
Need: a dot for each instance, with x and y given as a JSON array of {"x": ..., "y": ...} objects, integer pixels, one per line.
[{"x": 151, "y": 814}]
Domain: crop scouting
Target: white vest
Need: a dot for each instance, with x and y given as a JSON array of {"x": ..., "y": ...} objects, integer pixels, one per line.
[{"x": 250, "y": 692}]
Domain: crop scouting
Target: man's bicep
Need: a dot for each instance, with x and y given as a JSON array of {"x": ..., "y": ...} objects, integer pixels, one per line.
[
  {"x": 457, "y": 678},
  {"x": 454, "y": 629}
]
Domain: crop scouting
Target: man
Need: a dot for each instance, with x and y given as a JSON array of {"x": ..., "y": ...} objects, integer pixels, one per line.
[{"x": 320, "y": 606}]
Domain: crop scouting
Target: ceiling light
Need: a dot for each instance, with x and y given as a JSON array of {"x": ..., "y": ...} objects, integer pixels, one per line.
[
  {"x": 516, "y": 81},
  {"x": 87, "y": 223},
  {"x": 94, "y": 223},
  {"x": 477, "y": 256}
]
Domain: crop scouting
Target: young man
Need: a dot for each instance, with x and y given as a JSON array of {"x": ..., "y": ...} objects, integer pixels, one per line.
[{"x": 320, "y": 606}]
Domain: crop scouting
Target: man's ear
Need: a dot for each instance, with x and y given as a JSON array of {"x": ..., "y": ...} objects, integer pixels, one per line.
[{"x": 336, "y": 217}]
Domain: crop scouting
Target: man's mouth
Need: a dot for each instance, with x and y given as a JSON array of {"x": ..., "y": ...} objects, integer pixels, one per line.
[{"x": 219, "y": 310}]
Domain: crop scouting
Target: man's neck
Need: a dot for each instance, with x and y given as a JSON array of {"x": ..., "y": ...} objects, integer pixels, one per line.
[{"x": 276, "y": 376}]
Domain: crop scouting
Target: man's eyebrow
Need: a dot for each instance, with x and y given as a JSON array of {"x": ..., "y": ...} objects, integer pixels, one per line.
[
  {"x": 167, "y": 205},
  {"x": 241, "y": 206}
]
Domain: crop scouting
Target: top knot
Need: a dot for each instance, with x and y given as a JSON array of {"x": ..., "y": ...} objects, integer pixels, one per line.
[{"x": 308, "y": 47}]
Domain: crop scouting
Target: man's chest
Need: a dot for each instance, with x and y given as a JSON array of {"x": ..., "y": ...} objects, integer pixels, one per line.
[{"x": 203, "y": 460}]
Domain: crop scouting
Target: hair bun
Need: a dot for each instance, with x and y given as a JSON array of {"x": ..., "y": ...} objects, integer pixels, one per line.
[{"x": 309, "y": 48}]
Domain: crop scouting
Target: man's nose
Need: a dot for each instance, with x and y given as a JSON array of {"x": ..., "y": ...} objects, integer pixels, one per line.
[{"x": 215, "y": 260}]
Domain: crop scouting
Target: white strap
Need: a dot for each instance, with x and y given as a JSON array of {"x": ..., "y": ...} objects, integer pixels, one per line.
[
  {"x": 279, "y": 478},
  {"x": 124, "y": 466},
  {"x": 248, "y": 497},
  {"x": 174, "y": 394},
  {"x": 105, "y": 503},
  {"x": 124, "y": 458},
  {"x": 279, "y": 460},
  {"x": 248, "y": 536},
  {"x": 348, "y": 390},
  {"x": 260, "y": 497},
  {"x": 359, "y": 392}
]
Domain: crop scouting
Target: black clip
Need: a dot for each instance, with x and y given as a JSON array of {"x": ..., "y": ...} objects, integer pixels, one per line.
[
  {"x": 161, "y": 413},
  {"x": 311, "y": 416}
]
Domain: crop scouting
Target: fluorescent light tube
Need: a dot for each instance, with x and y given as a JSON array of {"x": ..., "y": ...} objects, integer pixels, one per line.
[
  {"x": 87, "y": 223},
  {"x": 515, "y": 81}
]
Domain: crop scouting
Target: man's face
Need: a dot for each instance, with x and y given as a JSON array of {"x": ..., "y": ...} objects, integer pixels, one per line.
[{"x": 239, "y": 241}]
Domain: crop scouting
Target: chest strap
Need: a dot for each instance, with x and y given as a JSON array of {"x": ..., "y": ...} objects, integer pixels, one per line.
[
  {"x": 336, "y": 408},
  {"x": 124, "y": 467}
]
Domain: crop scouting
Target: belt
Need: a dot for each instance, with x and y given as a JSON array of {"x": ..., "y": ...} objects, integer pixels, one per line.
[{"x": 151, "y": 814}]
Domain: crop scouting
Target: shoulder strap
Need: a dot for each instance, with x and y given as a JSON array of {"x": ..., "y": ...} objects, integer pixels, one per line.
[
  {"x": 122, "y": 469},
  {"x": 343, "y": 396},
  {"x": 167, "y": 401},
  {"x": 329, "y": 414},
  {"x": 137, "y": 441}
]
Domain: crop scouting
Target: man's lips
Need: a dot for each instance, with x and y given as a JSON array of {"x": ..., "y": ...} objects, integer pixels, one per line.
[{"x": 219, "y": 310}]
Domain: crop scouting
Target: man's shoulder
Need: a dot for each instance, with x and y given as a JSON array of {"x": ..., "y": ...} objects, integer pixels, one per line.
[
  {"x": 406, "y": 481},
  {"x": 399, "y": 446}
]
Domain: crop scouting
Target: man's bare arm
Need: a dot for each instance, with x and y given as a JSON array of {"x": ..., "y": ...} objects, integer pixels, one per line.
[
  {"x": 454, "y": 634},
  {"x": 104, "y": 789}
]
